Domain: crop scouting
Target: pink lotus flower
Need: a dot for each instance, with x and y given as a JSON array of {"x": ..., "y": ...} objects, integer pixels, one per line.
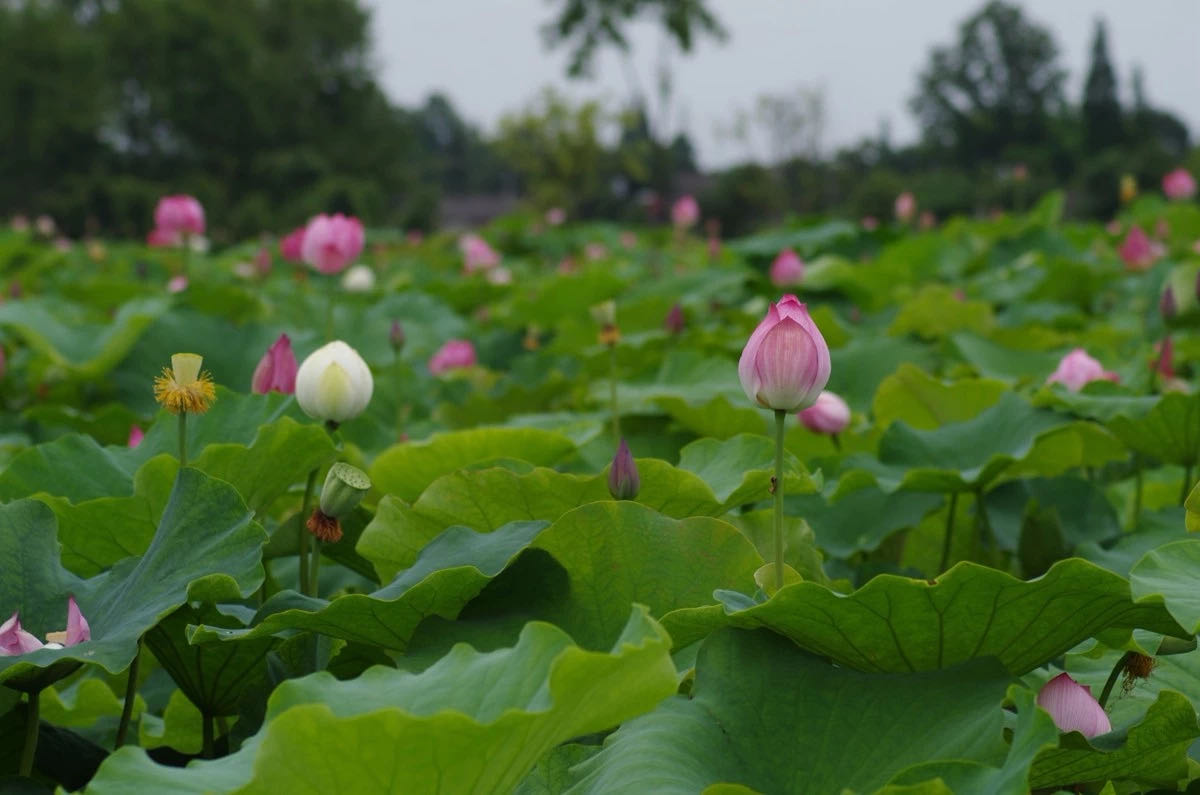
[
  {"x": 785, "y": 363},
  {"x": 276, "y": 370},
  {"x": 556, "y": 216},
  {"x": 1179, "y": 185},
  {"x": 685, "y": 212},
  {"x": 15, "y": 640},
  {"x": 788, "y": 269},
  {"x": 905, "y": 207},
  {"x": 477, "y": 254},
  {"x": 829, "y": 414},
  {"x": 1077, "y": 368},
  {"x": 179, "y": 214},
  {"x": 136, "y": 435},
  {"x": 1072, "y": 707},
  {"x": 162, "y": 238},
  {"x": 291, "y": 247},
  {"x": 453, "y": 355},
  {"x": 1137, "y": 250},
  {"x": 332, "y": 242}
]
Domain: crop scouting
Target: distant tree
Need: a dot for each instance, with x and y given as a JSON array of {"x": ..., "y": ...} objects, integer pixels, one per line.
[
  {"x": 998, "y": 86},
  {"x": 1102, "y": 118}
]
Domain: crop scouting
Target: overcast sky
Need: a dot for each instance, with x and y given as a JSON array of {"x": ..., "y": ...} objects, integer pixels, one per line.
[{"x": 487, "y": 55}]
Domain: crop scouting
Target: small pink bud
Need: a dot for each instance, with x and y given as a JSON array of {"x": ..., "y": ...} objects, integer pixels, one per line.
[
  {"x": 1179, "y": 185},
  {"x": 829, "y": 414},
  {"x": 685, "y": 212},
  {"x": 555, "y": 216},
  {"x": 1072, "y": 707},
  {"x": 785, "y": 363},
  {"x": 787, "y": 270},
  {"x": 332, "y": 242},
  {"x": 276, "y": 370},
  {"x": 1166, "y": 304},
  {"x": 136, "y": 435},
  {"x": 675, "y": 321},
  {"x": 906, "y": 206},
  {"x": 177, "y": 284},
  {"x": 1165, "y": 366},
  {"x": 396, "y": 336},
  {"x": 477, "y": 254},
  {"x": 623, "y": 480},
  {"x": 1136, "y": 250},
  {"x": 263, "y": 262},
  {"x": 1077, "y": 368},
  {"x": 451, "y": 356}
]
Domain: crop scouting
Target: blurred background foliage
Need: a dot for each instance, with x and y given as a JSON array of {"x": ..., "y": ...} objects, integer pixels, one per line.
[{"x": 270, "y": 110}]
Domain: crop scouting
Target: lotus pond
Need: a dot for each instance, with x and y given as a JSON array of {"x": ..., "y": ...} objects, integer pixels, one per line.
[{"x": 465, "y": 605}]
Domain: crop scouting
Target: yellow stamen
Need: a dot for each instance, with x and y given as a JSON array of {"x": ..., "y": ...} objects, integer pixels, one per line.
[{"x": 193, "y": 397}]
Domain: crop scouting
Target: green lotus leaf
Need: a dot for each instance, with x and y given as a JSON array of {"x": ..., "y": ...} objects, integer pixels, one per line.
[{"x": 924, "y": 402}]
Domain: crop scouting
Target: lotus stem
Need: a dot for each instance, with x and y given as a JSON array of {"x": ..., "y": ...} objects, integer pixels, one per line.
[
  {"x": 948, "y": 541},
  {"x": 130, "y": 697},
  {"x": 314, "y": 568},
  {"x": 32, "y": 724},
  {"x": 208, "y": 747},
  {"x": 302, "y": 532},
  {"x": 612, "y": 392},
  {"x": 777, "y": 488},
  {"x": 1112, "y": 678},
  {"x": 183, "y": 457}
]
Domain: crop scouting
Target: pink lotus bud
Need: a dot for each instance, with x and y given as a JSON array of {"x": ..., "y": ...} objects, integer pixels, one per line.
[
  {"x": 1166, "y": 304},
  {"x": 14, "y": 640},
  {"x": 555, "y": 216},
  {"x": 162, "y": 238},
  {"x": 291, "y": 247},
  {"x": 1077, "y": 368},
  {"x": 78, "y": 630},
  {"x": 332, "y": 242},
  {"x": 1072, "y": 707},
  {"x": 1179, "y": 185},
  {"x": 179, "y": 214},
  {"x": 136, "y": 435},
  {"x": 396, "y": 336},
  {"x": 870, "y": 223},
  {"x": 477, "y": 254},
  {"x": 594, "y": 251},
  {"x": 567, "y": 265},
  {"x": 454, "y": 354},
  {"x": 714, "y": 247},
  {"x": 905, "y": 207},
  {"x": 1136, "y": 250},
  {"x": 177, "y": 284},
  {"x": 263, "y": 262},
  {"x": 685, "y": 212},
  {"x": 276, "y": 370},
  {"x": 829, "y": 414},
  {"x": 787, "y": 270},
  {"x": 785, "y": 363},
  {"x": 675, "y": 321},
  {"x": 1165, "y": 366},
  {"x": 623, "y": 480}
]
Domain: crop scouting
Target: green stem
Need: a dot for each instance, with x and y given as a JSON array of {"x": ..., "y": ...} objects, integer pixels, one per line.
[
  {"x": 302, "y": 532},
  {"x": 314, "y": 568},
  {"x": 780, "y": 419},
  {"x": 208, "y": 749},
  {"x": 222, "y": 726},
  {"x": 32, "y": 722},
  {"x": 949, "y": 539},
  {"x": 130, "y": 697},
  {"x": 183, "y": 459},
  {"x": 1112, "y": 678},
  {"x": 837, "y": 443},
  {"x": 612, "y": 392},
  {"x": 333, "y": 291},
  {"x": 1137, "y": 493},
  {"x": 985, "y": 524},
  {"x": 1187, "y": 484},
  {"x": 401, "y": 409}
]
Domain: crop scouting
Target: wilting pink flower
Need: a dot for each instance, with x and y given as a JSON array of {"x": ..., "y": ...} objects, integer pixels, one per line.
[
  {"x": 685, "y": 212},
  {"x": 162, "y": 238},
  {"x": 555, "y": 216},
  {"x": 179, "y": 214},
  {"x": 1077, "y": 368},
  {"x": 477, "y": 254},
  {"x": 177, "y": 284},
  {"x": 675, "y": 321},
  {"x": 1137, "y": 250},
  {"x": 452, "y": 355},
  {"x": 291, "y": 247},
  {"x": 829, "y": 414},
  {"x": 276, "y": 370},
  {"x": 905, "y": 207},
  {"x": 332, "y": 242},
  {"x": 1179, "y": 185},
  {"x": 15, "y": 640},
  {"x": 785, "y": 363},
  {"x": 788, "y": 269},
  {"x": 136, "y": 435},
  {"x": 1072, "y": 707},
  {"x": 623, "y": 480},
  {"x": 870, "y": 223}
]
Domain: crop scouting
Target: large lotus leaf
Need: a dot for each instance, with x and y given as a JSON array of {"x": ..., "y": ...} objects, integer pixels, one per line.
[
  {"x": 471, "y": 721},
  {"x": 686, "y": 375},
  {"x": 719, "y": 418},
  {"x": 1153, "y": 751},
  {"x": 1170, "y": 571},
  {"x": 85, "y": 346},
  {"x": 859, "y": 368},
  {"x": 992, "y": 360},
  {"x": 962, "y": 456},
  {"x": 485, "y": 499},
  {"x": 1169, "y": 432},
  {"x": 1082, "y": 508},
  {"x": 206, "y": 546},
  {"x": 935, "y": 311},
  {"x": 773, "y": 718},
  {"x": 405, "y": 470},
  {"x": 1099, "y": 400},
  {"x": 862, "y": 519},
  {"x": 613, "y": 553},
  {"x": 1070, "y": 447},
  {"x": 1153, "y": 530},
  {"x": 740, "y": 469},
  {"x": 912, "y": 395},
  {"x": 806, "y": 240},
  {"x": 899, "y": 624}
]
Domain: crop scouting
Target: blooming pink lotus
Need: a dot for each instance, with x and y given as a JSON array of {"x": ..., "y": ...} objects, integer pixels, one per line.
[
  {"x": 179, "y": 214},
  {"x": 788, "y": 269},
  {"x": 453, "y": 355},
  {"x": 1137, "y": 250},
  {"x": 1179, "y": 185},
  {"x": 905, "y": 207},
  {"x": 1072, "y": 707},
  {"x": 785, "y": 363},
  {"x": 15, "y": 640},
  {"x": 1077, "y": 368},
  {"x": 332, "y": 242},
  {"x": 685, "y": 212},
  {"x": 276, "y": 370},
  {"x": 829, "y": 414},
  {"x": 291, "y": 247},
  {"x": 477, "y": 254}
]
